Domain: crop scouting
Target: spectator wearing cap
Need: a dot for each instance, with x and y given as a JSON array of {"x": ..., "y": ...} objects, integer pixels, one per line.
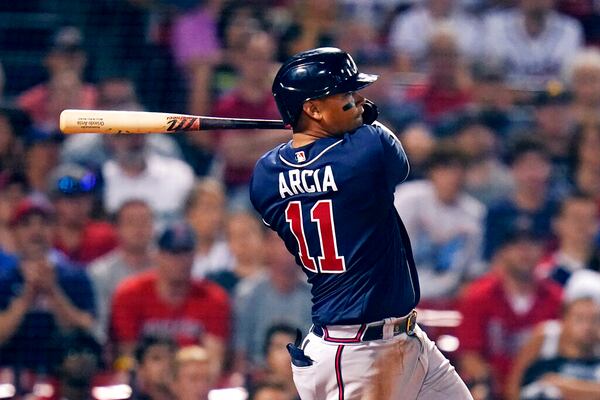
[
  {"x": 166, "y": 301},
  {"x": 411, "y": 32},
  {"x": 576, "y": 227},
  {"x": 65, "y": 88},
  {"x": 445, "y": 225},
  {"x": 135, "y": 253},
  {"x": 500, "y": 310},
  {"x": 553, "y": 125},
  {"x": 529, "y": 205},
  {"x": 532, "y": 40},
  {"x": 487, "y": 177},
  {"x": 42, "y": 295},
  {"x": 82, "y": 239},
  {"x": 562, "y": 358}
]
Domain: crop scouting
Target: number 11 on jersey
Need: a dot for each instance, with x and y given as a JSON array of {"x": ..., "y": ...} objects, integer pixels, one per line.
[{"x": 330, "y": 262}]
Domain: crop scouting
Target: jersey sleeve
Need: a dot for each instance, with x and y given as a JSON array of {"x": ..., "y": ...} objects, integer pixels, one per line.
[{"x": 395, "y": 161}]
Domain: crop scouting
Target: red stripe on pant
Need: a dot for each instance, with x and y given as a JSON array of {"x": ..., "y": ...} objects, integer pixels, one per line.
[{"x": 338, "y": 372}]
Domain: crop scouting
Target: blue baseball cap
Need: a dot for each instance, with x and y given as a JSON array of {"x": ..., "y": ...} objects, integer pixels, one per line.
[{"x": 178, "y": 237}]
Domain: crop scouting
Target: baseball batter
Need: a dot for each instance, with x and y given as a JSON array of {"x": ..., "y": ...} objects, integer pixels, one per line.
[{"x": 329, "y": 194}]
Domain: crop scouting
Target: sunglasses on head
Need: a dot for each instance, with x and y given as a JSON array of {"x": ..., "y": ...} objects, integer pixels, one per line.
[{"x": 72, "y": 186}]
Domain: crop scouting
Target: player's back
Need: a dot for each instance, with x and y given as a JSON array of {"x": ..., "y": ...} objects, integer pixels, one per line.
[{"x": 332, "y": 203}]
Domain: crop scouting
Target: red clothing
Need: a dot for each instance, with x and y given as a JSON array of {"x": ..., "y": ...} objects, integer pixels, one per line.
[
  {"x": 233, "y": 105},
  {"x": 36, "y": 102},
  {"x": 491, "y": 327},
  {"x": 97, "y": 239},
  {"x": 137, "y": 309},
  {"x": 437, "y": 101}
]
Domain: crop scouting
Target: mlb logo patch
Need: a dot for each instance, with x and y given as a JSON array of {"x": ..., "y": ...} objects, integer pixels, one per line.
[{"x": 300, "y": 156}]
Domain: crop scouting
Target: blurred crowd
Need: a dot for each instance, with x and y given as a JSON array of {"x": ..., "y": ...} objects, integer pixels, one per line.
[{"x": 133, "y": 266}]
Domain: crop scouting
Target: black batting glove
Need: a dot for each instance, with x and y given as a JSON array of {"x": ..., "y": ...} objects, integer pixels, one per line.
[{"x": 370, "y": 112}]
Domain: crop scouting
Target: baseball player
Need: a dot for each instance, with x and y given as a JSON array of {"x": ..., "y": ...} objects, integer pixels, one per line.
[{"x": 329, "y": 194}]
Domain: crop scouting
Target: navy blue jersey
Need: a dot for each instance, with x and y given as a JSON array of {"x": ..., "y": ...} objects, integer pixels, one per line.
[{"x": 332, "y": 202}]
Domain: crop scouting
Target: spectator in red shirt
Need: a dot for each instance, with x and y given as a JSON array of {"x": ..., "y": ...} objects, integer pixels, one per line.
[
  {"x": 251, "y": 98},
  {"x": 500, "y": 311},
  {"x": 65, "y": 88},
  {"x": 78, "y": 236},
  {"x": 168, "y": 302},
  {"x": 447, "y": 87}
]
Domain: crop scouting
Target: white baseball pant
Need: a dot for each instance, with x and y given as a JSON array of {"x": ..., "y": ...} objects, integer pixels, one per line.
[{"x": 398, "y": 367}]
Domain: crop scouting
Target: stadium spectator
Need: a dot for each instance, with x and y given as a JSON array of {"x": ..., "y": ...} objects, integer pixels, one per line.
[
  {"x": 92, "y": 150},
  {"x": 445, "y": 225},
  {"x": 487, "y": 178},
  {"x": 418, "y": 142},
  {"x": 79, "y": 363},
  {"x": 196, "y": 57},
  {"x": 563, "y": 356},
  {"x": 281, "y": 291},
  {"x": 447, "y": 87},
  {"x": 205, "y": 211},
  {"x": 135, "y": 173},
  {"x": 251, "y": 98},
  {"x": 553, "y": 125},
  {"x": 529, "y": 205},
  {"x": 411, "y": 32},
  {"x": 270, "y": 391},
  {"x": 42, "y": 155},
  {"x": 245, "y": 236},
  {"x": 585, "y": 164},
  {"x": 167, "y": 302},
  {"x": 576, "y": 226},
  {"x": 72, "y": 190},
  {"x": 583, "y": 76},
  {"x": 40, "y": 292},
  {"x": 153, "y": 376},
  {"x": 65, "y": 88},
  {"x": 135, "y": 253},
  {"x": 193, "y": 377},
  {"x": 13, "y": 188},
  {"x": 533, "y": 41},
  {"x": 13, "y": 124},
  {"x": 492, "y": 332}
]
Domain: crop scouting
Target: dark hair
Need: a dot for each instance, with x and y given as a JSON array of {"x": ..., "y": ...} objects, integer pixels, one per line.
[
  {"x": 255, "y": 388},
  {"x": 275, "y": 329},
  {"x": 445, "y": 154},
  {"x": 525, "y": 144},
  {"x": 149, "y": 341},
  {"x": 80, "y": 341}
]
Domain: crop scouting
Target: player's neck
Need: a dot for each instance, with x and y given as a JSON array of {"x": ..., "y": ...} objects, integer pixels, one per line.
[{"x": 308, "y": 136}]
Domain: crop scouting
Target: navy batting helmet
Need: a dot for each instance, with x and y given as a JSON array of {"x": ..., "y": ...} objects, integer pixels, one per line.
[{"x": 312, "y": 74}]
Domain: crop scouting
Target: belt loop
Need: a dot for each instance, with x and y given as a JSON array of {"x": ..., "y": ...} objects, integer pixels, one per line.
[{"x": 388, "y": 328}]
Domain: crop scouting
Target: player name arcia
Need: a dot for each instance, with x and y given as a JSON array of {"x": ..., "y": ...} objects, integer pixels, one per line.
[{"x": 296, "y": 181}]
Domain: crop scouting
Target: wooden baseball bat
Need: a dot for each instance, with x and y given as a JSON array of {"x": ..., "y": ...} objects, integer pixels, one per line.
[{"x": 109, "y": 122}]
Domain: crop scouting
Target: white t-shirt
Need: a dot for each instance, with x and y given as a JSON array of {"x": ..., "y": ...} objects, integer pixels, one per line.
[
  {"x": 446, "y": 238},
  {"x": 531, "y": 61},
  {"x": 164, "y": 185},
  {"x": 410, "y": 33},
  {"x": 218, "y": 258}
]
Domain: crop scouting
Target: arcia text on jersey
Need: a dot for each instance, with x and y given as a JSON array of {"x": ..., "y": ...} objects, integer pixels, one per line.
[{"x": 297, "y": 181}]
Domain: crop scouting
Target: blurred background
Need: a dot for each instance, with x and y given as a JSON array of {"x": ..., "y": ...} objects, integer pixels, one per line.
[{"x": 135, "y": 266}]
